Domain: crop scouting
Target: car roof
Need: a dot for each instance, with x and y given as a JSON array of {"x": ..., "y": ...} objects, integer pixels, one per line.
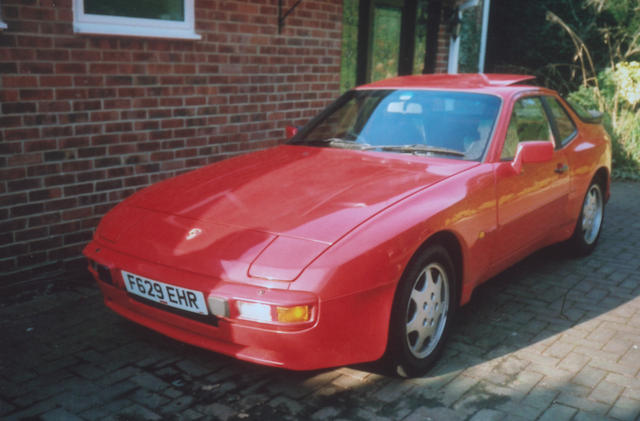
[{"x": 464, "y": 81}]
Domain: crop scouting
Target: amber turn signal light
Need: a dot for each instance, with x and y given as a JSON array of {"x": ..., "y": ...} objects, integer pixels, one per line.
[{"x": 293, "y": 314}]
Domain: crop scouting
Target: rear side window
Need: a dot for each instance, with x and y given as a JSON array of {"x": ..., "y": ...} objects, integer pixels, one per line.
[{"x": 565, "y": 127}]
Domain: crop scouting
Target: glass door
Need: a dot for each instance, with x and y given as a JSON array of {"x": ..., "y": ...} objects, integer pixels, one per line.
[{"x": 384, "y": 50}]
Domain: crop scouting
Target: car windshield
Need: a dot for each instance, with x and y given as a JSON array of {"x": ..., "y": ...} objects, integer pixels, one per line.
[{"x": 454, "y": 125}]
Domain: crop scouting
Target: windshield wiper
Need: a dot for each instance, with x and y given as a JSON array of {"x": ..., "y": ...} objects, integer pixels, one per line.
[
  {"x": 342, "y": 143},
  {"x": 352, "y": 144},
  {"x": 419, "y": 148}
]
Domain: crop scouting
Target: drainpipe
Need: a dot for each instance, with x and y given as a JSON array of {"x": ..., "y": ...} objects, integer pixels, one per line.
[
  {"x": 454, "y": 43},
  {"x": 483, "y": 38}
]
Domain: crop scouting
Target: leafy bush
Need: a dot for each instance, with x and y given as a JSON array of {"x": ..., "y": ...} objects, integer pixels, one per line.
[{"x": 617, "y": 94}]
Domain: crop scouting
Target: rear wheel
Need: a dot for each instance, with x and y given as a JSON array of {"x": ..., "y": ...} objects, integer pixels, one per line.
[
  {"x": 422, "y": 312},
  {"x": 589, "y": 223}
]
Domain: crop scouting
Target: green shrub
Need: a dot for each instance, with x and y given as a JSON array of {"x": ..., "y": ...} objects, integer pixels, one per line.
[{"x": 617, "y": 95}]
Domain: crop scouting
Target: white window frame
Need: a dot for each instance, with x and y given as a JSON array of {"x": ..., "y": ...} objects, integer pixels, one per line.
[
  {"x": 87, "y": 23},
  {"x": 454, "y": 43}
]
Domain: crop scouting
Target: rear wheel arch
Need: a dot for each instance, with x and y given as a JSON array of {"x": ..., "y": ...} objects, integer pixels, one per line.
[
  {"x": 589, "y": 222},
  {"x": 602, "y": 176}
]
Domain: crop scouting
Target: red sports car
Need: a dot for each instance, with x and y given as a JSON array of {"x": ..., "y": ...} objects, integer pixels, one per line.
[{"x": 361, "y": 236}]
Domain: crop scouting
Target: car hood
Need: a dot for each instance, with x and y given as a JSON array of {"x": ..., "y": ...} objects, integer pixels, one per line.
[
  {"x": 267, "y": 214},
  {"x": 312, "y": 193}
]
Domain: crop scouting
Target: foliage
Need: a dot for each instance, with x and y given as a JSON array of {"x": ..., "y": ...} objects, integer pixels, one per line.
[
  {"x": 624, "y": 125},
  {"x": 521, "y": 39},
  {"x": 349, "y": 45},
  {"x": 627, "y": 78},
  {"x": 385, "y": 40},
  {"x": 615, "y": 88},
  {"x": 470, "y": 34}
]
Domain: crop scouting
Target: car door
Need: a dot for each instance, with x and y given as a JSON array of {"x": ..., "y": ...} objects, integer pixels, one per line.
[{"x": 532, "y": 202}]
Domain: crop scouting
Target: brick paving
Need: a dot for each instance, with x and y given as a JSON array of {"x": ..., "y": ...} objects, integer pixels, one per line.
[{"x": 553, "y": 338}]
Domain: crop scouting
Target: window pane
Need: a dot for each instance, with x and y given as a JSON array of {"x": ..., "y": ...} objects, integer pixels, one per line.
[
  {"x": 349, "y": 59},
  {"x": 148, "y": 9},
  {"x": 420, "y": 37},
  {"x": 565, "y": 126},
  {"x": 470, "y": 34},
  {"x": 386, "y": 39},
  {"x": 528, "y": 122}
]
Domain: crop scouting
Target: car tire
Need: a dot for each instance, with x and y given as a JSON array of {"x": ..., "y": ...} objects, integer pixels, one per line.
[
  {"x": 589, "y": 224},
  {"x": 423, "y": 308}
]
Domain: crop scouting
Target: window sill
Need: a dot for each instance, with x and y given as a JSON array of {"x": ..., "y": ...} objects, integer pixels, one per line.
[{"x": 134, "y": 31}]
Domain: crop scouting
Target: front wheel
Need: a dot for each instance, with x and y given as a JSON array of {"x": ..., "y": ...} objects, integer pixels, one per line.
[
  {"x": 589, "y": 222},
  {"x": 422, "y": 311}
]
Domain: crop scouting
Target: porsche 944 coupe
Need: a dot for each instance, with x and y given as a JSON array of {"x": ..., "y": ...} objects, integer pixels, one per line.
[{"x": 360, "y": 236}]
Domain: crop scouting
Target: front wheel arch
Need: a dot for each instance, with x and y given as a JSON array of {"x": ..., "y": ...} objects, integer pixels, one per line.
[{"x": 448, "y": 244}]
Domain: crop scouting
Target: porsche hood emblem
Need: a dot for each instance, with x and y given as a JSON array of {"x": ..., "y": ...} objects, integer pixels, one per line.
[{"x": 193, "y": 233}]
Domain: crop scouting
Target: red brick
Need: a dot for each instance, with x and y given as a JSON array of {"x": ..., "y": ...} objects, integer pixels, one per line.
[
  {"x": 76, "y": 117},
  {"x": 40, "y": 145},
  {"x": 25, "y": 159},
  {"x": 13, "y": 250},
  {"x": 13, "y": 199},
  {"x": 52, "y": 55},
  {"x": 53, "y": 106},
  {"x": 13, "y": 224},
  {"x": 57, "y": 131},
  {"x": 57, "y": 180},
  {"x": 21, "y": 134},
  {"x": 18, "y": 107},
  {"x": 36, "y": 67},
  {"x": 77, "y": 165},
  {"x": 45, "y": 169},
  {"x": 72, "y": 67},
  {"x": 31, "y": 234},
  {"x": 59, "y": 204},
  {"x": 26, "y": 210},
  {"x": 19, "y": 81},
  {"x": 44, "y": 194},
  {"x": 44, "y": 219},
  {"x": 77, "y": 213},
  {"x": 49, "y": 243},
  {"x": 55, "y": 81},
  {"x": 32, "y": 259},
  {"x": 40, "y": 119}
]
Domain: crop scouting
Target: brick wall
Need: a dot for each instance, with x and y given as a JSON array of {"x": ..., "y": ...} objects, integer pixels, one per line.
[
  {"x": 442, "y": 56},
  {"x": 87, "y": 120}
]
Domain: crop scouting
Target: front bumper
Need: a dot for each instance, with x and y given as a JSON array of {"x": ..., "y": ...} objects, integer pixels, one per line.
[{"x": 340, "y": 332}]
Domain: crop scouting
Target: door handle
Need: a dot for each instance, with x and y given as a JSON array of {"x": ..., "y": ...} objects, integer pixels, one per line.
[{"x": 561, "y": 168}]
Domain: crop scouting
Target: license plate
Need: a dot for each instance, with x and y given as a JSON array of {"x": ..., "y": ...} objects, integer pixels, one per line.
[{"x": 170, "y": 295}]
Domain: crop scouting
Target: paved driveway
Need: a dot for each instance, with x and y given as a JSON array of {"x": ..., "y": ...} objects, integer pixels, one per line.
[{"x": 551, "y": 339}]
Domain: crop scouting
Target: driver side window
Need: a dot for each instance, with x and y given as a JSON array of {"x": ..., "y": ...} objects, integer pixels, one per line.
[{"x": 528, "y": 122}]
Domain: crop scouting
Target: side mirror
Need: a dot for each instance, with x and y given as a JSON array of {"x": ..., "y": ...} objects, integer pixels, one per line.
[
  {"x": 290, "y": 131},
  {"x": 531, "y": 152}
]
